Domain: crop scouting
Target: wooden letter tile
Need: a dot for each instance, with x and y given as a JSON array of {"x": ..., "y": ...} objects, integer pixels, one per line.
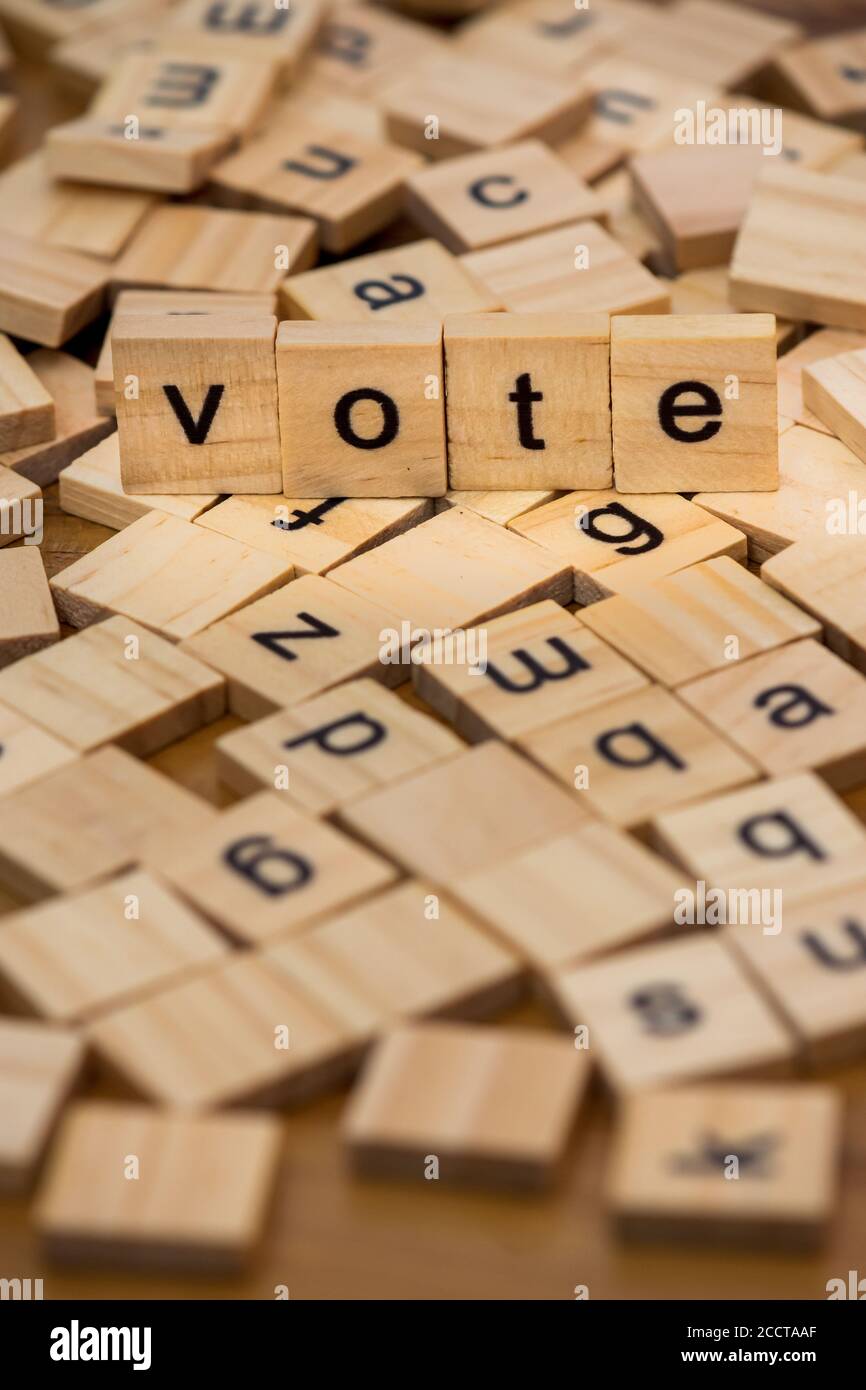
[
  {"x": 324, "y": 753},
  {"x": 26, "y": 409},
  {"x": 464, "y": 814},
  {"x": 813, "y": 971},
  {"x": 74, "y": 217},
  {"x": 835, "y": 389},
  {"x": 417, "y": 283},
  {"x": 197, "y": 403},
  {"x": 28, "y": 752},
  {"x": 40, "y": 1066},
  {"x": 464, "y": 94},
  {"x": 790, "y": 834},
  {"x": 544, "y": 36},
  {"x": 199, "y": 1199},
  {"x": 500, "y": 507},
  {"x": 673, "y": 1012},
  {"x": 390, "y": 957},
  {"x": 47, "y": 294},
  {"x": 483, "y": 199},
  {"x": 580, "y": 269},
  {"x": 188, "y": 91},
  {"x": 91, "y": 819},
  {"x": 799, "y": 252},
  {"x": 616, "y": 543},
  {"x": 28, "y": 621},
  {"x": 316, "y": 534},
  {"x": 79, "y": 955},
  {"x": 262, "y": 868},
  {"x": 115, "y": 682},
  {"x": 637, "y": 756},
  {"x": 797, "y": 709},
  {"x": 451, "y": 572},
  {"x": 719, "y": 368},
  {"x": 826, "y": 575},
  {"x": 77, "y": 425},
  {"x": 413, "y": 1102},
  {"x": 166, "y": 574},
  {"x": 517, "y": 417},
  {"x": 261, "y": 31},
  {"x": 697, "y": 621},
  {"x": 361, "y": 47},
  {"x": 296, "y": 643},
  {"x": 243, "y": 1033},
  {"x": 183, "y": 247},
  {"x": 349, "y": 185},
  {"x": 91, "y": 488},
  {"x": 160, "y": 159},
  {"x": 574, "y": 897},
  {"x": 824, "y": 76},
  {"x": 733, "y": 1164},
  {"x": 362, "y": 410},
  {"x": 538, "y": 665}
]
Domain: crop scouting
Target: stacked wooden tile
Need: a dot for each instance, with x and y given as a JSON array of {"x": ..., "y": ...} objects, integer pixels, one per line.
[{"x": 510, "y": 586}]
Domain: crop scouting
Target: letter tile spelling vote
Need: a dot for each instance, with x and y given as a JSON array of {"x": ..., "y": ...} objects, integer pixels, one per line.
[
  {"x": 360, "y": 47},
  {"x": 791, "y": 834},
  {"x": 464, "y": 814},
  {"x": 493, "y": 196},
  {"x": 89, "y": 820},
  {"x": 134, "y": 933},
  {"x": 574, "y": 897},
  {"x": 579, "y": 269},
  {"x": 88, "y": 1208},
  {"x": 826, "y": 77},
  {"x": 28, "y": 621},
  {"x": 798, "y": 250},
  {"x": 523, "y": 671},
  {"x": 696, "y": 621},
  {"x": 672, "y": 1012},
  {"x": 255, "y": 29},
  {"x": 173, "y": 302},
  {"x": 114, "y": 682},
  {"x": 91, "y": 488},
  {"x": 637, "y": 756},
  {"x": 817, "y": 475},
  {"x": 28, "y": 752},
  {"x": 350, "y": 185},
  {"x": 407, "y": 952},
  {"x": 362, "y": 410},
  {"x": 826, "y": 575},
  {"x": 262, "y": 868},
  {"x": 813, "y": 970},
  {"x": 800, "y": 708},
  {"x": 40, "y": 1067},
  {"x": 184, "y": 247},
  {"x": 315, "y": 533},
  {"x": 452, "y": 572},
  {"x": 297, "y": 643},
  {"x": 753, "y": 1164},
  {"x": 618, "y": 543},
  {"x": 464, "y": 93},
  {"x": 46, "y": 294},
  {"x": 168, "y": 575},
  {"x": 77, "y": 424},
  {"x": 417, "y": 283},
  {"x": 324, "y": 753},
  {"x": 514, "y": 416},
  {"x": 694, "y": 403},
  {"x": 185, "y": 423},
  {"x": 527, "y": 1089},
  {"x": 177, "y": 89}
]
